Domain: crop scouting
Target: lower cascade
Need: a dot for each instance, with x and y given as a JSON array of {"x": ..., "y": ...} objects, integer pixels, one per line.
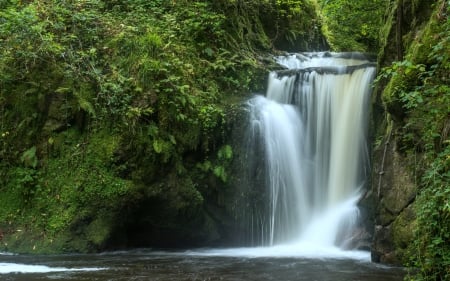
[{"x": 307, "y": 151}]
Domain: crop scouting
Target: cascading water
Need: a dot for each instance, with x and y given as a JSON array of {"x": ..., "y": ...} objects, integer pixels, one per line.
[{"x": 309, "y": 135}]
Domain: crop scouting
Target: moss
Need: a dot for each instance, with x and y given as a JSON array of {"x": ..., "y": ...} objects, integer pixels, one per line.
[
  {"x": 391, "y": 97},
  {"x": 414, "y": 97},
  {"x": 99, "y": 231},
  {"x": 77, "y": 185},
  {"x": 122, "y": 105},
  {"x": 385, "y": 36},
  {"x": 32, "y": 241},
  {"x": 424, "y": 41},
  {"x": 403, "y": 233}
]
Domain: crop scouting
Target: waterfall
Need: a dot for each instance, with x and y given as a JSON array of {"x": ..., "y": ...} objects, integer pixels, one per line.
[{"x": 308, "y": 136}]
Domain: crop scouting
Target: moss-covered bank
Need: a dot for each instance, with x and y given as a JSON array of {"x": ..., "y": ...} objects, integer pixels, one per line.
[
  {"x": 411, "y": 175},
  {"x": 115, "y": 116}
]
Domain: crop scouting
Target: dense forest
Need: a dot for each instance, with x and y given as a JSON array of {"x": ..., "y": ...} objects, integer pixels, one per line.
[{"x": 118, "y": 118}]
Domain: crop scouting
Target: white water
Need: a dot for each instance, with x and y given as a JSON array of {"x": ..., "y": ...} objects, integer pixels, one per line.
[
  {"x": 295, "y": 250},
  {"x": 313, "y": 127},
  {"x": 6, "y": 268}
]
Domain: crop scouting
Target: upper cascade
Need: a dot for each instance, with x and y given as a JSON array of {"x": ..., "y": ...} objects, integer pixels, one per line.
[
  {"x": 298, "y": 67},
  {"x": 324, "y": 59}
]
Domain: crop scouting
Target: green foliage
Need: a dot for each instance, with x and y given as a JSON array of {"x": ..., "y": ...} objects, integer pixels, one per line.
[
  {"x": 419, "y": 84},
  {"x": 224, "y": 157},
  {"x": 432, "y": 243},
  {"x": 404, "y": 71},
  {"x": 74, "y": 187},
  {"x": 288, "y": 24},
  {"x": 220, "y": 166},
  {"x": 25, "y": 184},
  {"x": 29, "y": 158},
  {"x": 225, "y": 153},
  {"x": 353, "y": 25},
  {"x": 99, "y": 99}
]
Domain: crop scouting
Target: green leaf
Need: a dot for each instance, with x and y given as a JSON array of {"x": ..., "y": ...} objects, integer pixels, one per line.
[
  {"x": 29, "y": 157},
  {"x": 158, "y": 146},
  {"x": 219, "y": 171},
  {"x": 225, "y": 152},
  {"x": 209, "y": 52},
  {"x": 172, "y": 139}
]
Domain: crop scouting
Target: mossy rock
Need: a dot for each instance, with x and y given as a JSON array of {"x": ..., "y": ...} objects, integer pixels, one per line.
[{"x": 403, "y": 230}]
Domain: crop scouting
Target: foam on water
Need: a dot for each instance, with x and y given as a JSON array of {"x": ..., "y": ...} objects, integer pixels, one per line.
[
  {"x": 294, "y": 250},
  {"x": 6, "y": 268}
]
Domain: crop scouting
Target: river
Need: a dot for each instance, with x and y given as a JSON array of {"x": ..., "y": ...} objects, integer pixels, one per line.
[{"x": 232, "y": 264}]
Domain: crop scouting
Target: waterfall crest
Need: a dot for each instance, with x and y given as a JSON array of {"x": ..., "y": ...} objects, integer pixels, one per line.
[{"x": 308, "y": 135}]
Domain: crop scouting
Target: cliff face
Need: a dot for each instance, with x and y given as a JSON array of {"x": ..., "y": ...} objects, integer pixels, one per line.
[{"x": 410, "y": 129}]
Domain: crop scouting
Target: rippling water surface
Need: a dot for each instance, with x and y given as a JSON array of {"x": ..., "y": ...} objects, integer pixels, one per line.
[{"x": 192, "y": 265}]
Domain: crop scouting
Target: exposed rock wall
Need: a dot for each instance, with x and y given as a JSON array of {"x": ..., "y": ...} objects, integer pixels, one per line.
[{"x": 394, "y": 172}]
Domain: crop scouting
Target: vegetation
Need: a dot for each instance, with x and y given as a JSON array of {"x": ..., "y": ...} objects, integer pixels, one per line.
[
  {"x": 351, "y": 25},
  {"x": 115, "y": 114},
  {"x": 418, "y": 96},
  {"x": 109, "y": 105}
]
